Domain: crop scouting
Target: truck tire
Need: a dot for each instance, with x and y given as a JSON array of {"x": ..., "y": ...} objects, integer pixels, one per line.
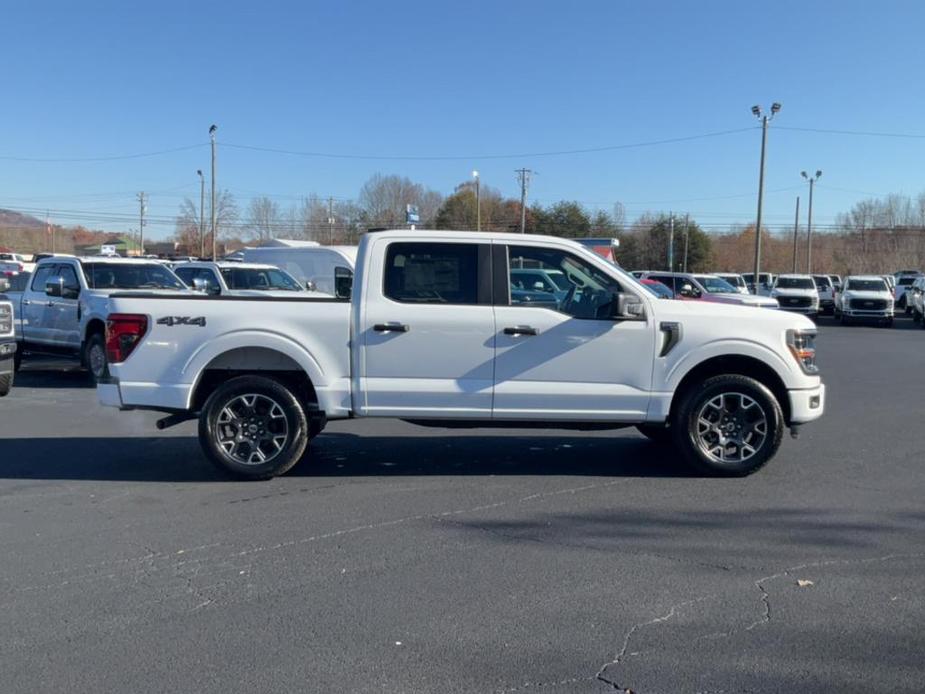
[
  {"x": 6, "y": 383},
  {"x": 729, "y": 425},
  {"x": 17, "y": 360},
  {"x": 658, "y": 433},
  {"x": 253, "y": 427},
  {"x": 95, "y": 358}
]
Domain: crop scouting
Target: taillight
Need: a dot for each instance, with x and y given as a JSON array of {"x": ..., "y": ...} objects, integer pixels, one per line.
[{"x": 123, "y": 333}]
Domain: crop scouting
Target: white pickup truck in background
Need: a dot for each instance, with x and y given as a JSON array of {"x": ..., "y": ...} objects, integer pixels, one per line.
[
  {"x": 431, "y": 335},
  {"x": 237, "y": 279}
]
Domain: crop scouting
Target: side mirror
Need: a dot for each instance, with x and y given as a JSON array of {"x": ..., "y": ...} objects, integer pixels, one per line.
[
  {"x": 4, "y": 284},
  {"x": 687, "y": 290},
  {"x": 54, "y": 286},
  {"x": 538, "y": 286},
  {"x": 310, "y": 286},
  {"x": 628, "y": 307},
  {"x": 205, "y": 286},
  {"x": 343, "y": 282}
]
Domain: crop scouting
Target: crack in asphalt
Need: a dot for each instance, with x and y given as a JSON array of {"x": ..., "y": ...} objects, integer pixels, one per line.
[{"x": 764, "y": 619}]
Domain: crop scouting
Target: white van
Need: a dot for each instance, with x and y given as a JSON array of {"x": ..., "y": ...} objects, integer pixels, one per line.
[{"x": 329, "y": 269}]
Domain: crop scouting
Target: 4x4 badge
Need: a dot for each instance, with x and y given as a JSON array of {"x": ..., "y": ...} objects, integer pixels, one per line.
[{"x": 182, "y": 320}]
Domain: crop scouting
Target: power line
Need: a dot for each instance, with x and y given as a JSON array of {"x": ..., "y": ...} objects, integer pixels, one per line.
[
  {"x": 861, "y": 133},
  {"x": 62, "y": 160},
  {"x": 472, "y": 157}
]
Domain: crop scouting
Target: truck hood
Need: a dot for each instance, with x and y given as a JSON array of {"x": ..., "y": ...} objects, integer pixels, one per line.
[
  {"x": 809, "y": 293},
  {"x": 852, "y": 294},
  {"x": 730, "y": 314},
  {"x": 737, "y": 299}
]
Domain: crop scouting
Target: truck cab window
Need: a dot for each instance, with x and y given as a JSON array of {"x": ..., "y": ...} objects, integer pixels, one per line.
[
  {"x": 575, "y": 286},
  {"x": 432, "y": 273}
]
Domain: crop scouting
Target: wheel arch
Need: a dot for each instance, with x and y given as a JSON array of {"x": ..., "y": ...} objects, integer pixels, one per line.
[
  {"x": 256, "y": 361},
  {"x": 737, "y": 364}
]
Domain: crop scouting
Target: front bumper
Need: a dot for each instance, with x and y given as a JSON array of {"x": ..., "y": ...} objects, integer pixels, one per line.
[
  {"x": 858, "y": 313},
  {"x": 804, "y": 310},
  {"x": 806, "y": 405},
  {"x": 7, "y": 349}
]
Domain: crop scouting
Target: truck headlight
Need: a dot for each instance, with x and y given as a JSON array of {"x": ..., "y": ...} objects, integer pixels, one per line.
[
  {"x": 802, "y": 344},
  {"x": 6, "y": 318}
]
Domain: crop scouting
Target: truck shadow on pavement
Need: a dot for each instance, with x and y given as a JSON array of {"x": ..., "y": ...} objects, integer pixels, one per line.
[
  {"x": 44, "y": 377},
  {"x": 179, "y": 459}
]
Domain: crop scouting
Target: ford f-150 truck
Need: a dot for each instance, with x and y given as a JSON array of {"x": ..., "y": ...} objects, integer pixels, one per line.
[
  {"x": 431, "y": 335},
  {"x": 62, "y": 309}
]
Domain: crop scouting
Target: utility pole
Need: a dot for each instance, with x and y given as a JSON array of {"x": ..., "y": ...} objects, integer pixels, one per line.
[
  {"x": 523, "y": 176},
  {"x": 331, "y": 221},
  {"x": 756, "y": 111},
  {"x": 796, "y": 229},
  {"x": 809, "y": 224},
  {"x": 478, "y": 201},
  {"x": 687, "y": 234},
  {"x": 202, "y": 213},
  {"x": 141, "y": 223},
  {"x": 49, "y": 231},
  {"x": 671, "y": 242},
  {"x": 212, "y": 130}
]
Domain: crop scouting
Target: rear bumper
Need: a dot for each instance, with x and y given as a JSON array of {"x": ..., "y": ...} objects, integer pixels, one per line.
[
  {"x": 807, "y": 405},
  {"x": 108, "y": 394}
]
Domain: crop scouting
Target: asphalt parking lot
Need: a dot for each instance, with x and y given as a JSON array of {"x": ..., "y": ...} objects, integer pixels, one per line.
[{"x": 402, "y": 559}]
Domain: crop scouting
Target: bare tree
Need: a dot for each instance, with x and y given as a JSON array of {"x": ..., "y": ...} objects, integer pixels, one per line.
[
  {"x": 383, "y": 200},
  {"x": 263, "y": 218}
]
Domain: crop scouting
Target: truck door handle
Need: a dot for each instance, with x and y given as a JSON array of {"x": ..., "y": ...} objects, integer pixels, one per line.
[
  {"x": 391, "y": 328},
  {"x": 50, "y": 303},
  {"x": 26, "y": 302},
  {"x": 521, "y": 330}
]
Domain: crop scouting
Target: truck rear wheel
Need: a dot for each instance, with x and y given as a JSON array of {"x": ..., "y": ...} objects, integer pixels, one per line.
[
  {"x": 253, "y": 427},
  {"x": 95, "y": 358},
  {"x": 6, "y": 381},
  {"x": 730, "y": 425}
]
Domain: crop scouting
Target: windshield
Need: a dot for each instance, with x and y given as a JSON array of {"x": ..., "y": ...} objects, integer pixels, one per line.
[
  {"x": 264, "y": 279},
  {"x": 795, "y": 283},
  {"x": 130, "y": 276},
  {"x": 659, "y": 289},
  {"x": 822, "y": 282},
  {"x": 906, "y": 281},
  {"x": 866, "y": 286},
  {"x": 734, "y": 280},
  {"x": 715, "y": 285}
]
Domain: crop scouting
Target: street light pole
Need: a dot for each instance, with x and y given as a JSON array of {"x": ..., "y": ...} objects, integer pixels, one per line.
[
  {"x": 212, "y": 130},
  {"x": 202, "y": 213},
  {"x": 796, "y": 230},
  {"x": 478, "y": 201},
  {"x": 809, "y": 224},
  {"x": 765, "y": 119}
]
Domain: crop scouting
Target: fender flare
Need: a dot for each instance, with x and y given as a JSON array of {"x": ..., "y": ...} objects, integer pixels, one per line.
[
  {"x": 732, "y": 348},
  {"x": 249, "y": 338}
]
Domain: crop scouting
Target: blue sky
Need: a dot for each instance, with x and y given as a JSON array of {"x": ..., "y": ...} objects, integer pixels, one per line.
[{"x": 467, "y": 79}]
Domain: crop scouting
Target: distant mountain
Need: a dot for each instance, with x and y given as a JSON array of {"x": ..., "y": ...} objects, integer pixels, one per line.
[{"x": 18, "y": 220}]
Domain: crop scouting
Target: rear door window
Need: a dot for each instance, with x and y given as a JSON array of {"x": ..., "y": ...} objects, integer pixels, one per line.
[{"x": 433, "y": 273}]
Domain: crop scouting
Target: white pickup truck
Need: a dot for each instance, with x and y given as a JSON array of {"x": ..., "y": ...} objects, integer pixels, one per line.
[{"x": 431, "y": 335}]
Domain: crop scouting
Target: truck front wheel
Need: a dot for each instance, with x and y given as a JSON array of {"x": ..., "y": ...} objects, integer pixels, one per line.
[
  {"x": 253, "y": 427},
  {"x": 729, "y": 425}
]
